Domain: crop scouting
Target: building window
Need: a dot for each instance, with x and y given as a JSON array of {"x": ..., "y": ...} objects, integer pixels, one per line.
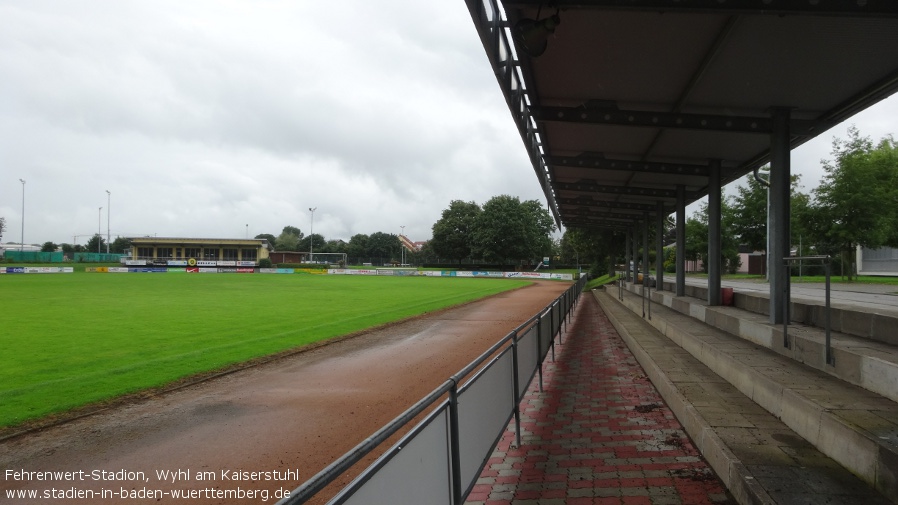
[
  {"x": 249, "y": 255},
  {"x": 229, "y": 254},
  {"x": 192, "y": 252},
  {"x": 144, "y": 252},
  {"x": 163, "y": 252},
  {"x": 210, "y": 254}
]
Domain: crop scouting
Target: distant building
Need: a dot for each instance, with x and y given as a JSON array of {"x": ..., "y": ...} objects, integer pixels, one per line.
[
  {"x": 882, "y": 261},
  {"x": 18, "y": 247},
  {"x": 193, "y": 251}
]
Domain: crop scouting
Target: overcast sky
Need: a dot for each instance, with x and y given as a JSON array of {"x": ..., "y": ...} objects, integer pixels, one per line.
[{"x": 227, "y": 119}]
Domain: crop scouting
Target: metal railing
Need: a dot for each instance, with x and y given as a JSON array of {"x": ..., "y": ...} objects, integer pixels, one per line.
[
  {"x": 442, "y": 456},
  {"x": 830, "y": 359}
]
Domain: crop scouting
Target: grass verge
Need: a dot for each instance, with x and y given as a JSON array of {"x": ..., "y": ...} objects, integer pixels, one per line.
[{"x": 71, "y": 340}]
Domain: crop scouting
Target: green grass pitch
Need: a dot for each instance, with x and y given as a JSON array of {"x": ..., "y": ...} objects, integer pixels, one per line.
[{"x": 72, "y": 339}]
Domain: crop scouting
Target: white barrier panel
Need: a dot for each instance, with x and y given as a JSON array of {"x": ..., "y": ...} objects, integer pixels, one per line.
[
  {"x": 528, "y": 358},
  {"x": 417, "y": 473},
  {"x": 484, "y": 408},
  {"x": 545, "y": 333},
  {"x": 448, "y": 273}
]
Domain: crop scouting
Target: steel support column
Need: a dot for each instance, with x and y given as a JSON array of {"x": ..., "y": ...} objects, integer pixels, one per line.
[
  {"x": 780, "y": 182},
  {"x": 659, "y": 248},
  {"x": 681, "y": 240},
  {"x": 645, "y": 251},
  {"x": 714, "y": 237},
  {"x": 627, "y": 256},
  {"x": 634, "y": 251}
]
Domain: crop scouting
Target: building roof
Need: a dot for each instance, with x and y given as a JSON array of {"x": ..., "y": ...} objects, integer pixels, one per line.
[
  {"x": 632, "y": 98},
  {"x": 195, "y": 240}
]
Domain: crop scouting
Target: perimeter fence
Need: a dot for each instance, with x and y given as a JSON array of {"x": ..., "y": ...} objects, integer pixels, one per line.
[{"x": 439, "y": 460}]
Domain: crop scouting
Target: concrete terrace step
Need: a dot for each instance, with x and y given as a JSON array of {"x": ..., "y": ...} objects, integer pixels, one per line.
[
  {"x": 875, "y": 322},
  {"x": 855, "y": 427},
  {"x": 866, "y": 361}
]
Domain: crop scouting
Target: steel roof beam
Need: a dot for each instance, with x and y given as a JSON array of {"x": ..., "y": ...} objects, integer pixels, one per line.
[
  {"x": 596, "y": 160},
  {"x": 589, "y": 202},
  {"x": 672, "y": 120},
  {"x": 586, "y": 213},
  {"x": 765, "y": 7},
  {"x": 591, "y": 187},
  {"x": 589, "y": 223}
]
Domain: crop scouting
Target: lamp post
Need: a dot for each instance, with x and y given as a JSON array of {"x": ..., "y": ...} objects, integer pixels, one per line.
[
  {"x": 108, "y": 212},
  {"x": 247, "y": 231},
  {"x": 99, "y": 228},
  {"x": 401, "y": 246},
  {"x": 22, "y": 244},
  {"x": 311, "y": 231}
]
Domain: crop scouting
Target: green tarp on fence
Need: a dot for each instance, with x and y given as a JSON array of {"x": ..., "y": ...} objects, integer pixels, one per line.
[{"x": 34, "y": 256}]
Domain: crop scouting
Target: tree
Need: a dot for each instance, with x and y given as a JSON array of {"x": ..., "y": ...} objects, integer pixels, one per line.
[
  {"x": 95, "y": 244},
  {"x": 453, "y": 233},
  {"x": 357, "y": 248},
  {"x": 510, "y": 230},
  {"x": 49, "y": 247},
  {"x": 288, "y": 240},
  {"x": 120, "y": 245},
  {"x": 2, "y": 227},
  {"x": 697, "y": 237},
  {"x": 856, "y": 199},
  {"x": 598, "y": 248},
  {"x": 267, "y": 236},
  {"x": 314, "y": 243},
  {"x": 383, "y": 245},
  {"x": 750, "y": 214},
  {"x": 334, "y": 246}
]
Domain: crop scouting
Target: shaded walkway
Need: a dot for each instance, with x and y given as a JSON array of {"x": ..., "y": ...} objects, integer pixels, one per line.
[{"x": 599, "y": 433}]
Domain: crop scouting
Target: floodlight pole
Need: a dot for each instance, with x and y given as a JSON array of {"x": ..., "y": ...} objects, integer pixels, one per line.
[
  {"x": 108, "y": 213},
  {"x": 22, "y": 243},
  {"x": 311, "y": 232},
  {"x": 99, "y": 228}
]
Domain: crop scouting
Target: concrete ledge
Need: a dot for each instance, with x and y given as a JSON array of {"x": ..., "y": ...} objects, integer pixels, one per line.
[
  {"x": 869, "y": 325},
  {"x": 863, "y": 361},
  {"x": 821, "y": 408}
]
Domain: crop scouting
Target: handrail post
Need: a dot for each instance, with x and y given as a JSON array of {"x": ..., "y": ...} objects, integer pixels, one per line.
[
  {"x": 786, "y": 306},
  {"x": 649, "y": 287},
  {"x": 516, "y": 384},
  {"x": 642, "y": 294},
  {"x": 830, "y": 358},
  {"x": 539, "y": 351},
  {"x": 454, "y": 456},
  {"x": 552, "y": 330}
]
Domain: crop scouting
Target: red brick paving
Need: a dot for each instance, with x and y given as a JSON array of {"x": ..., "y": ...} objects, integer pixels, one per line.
[{"x": 599, "y": 433}]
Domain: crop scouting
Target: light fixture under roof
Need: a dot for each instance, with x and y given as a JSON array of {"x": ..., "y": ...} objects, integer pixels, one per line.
[{"x": 532, "y": 35}]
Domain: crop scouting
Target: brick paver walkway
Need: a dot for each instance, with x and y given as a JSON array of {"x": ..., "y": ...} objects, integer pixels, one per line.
[{"x": 599, "y": 433}]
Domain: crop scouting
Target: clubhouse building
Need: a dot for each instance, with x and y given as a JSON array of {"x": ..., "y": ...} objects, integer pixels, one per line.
[{"x": 197, "y": 251}]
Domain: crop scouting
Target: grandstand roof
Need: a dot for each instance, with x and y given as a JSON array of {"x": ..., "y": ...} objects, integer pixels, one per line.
[{"x": 632, "y": 98}]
